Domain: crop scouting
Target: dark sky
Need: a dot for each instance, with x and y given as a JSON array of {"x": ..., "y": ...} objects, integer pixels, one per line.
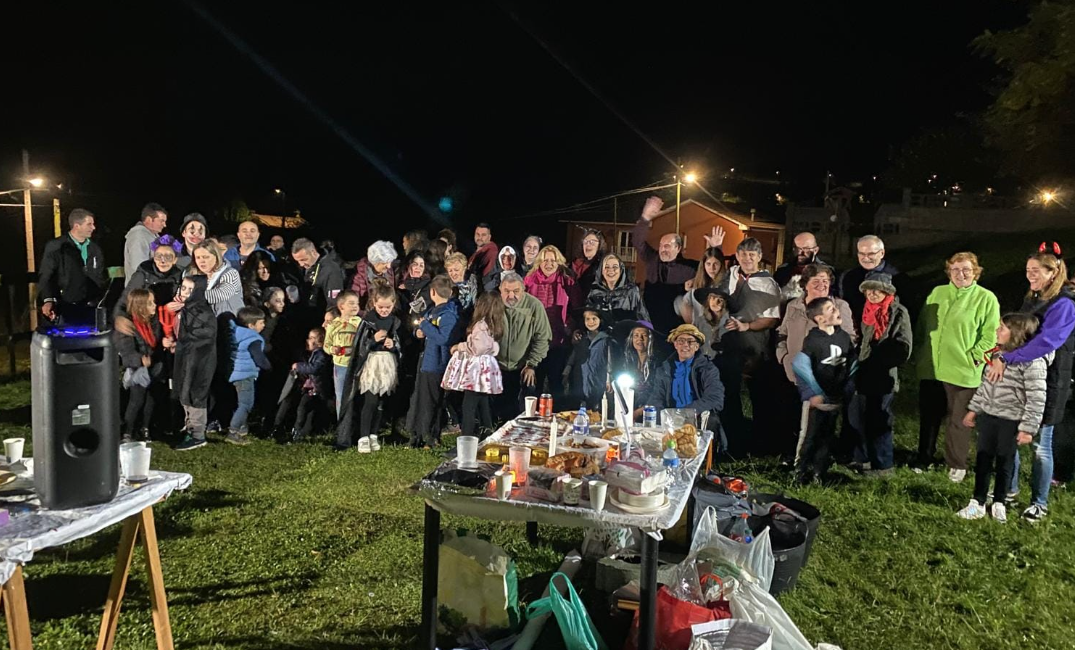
[{"x": 131, "y": 102}]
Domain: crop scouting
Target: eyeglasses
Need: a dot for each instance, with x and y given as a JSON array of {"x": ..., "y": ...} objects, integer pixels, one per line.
[
  {"x": 961, "y": 271},
  {"x": 686, "y": 341},
  {"x": 810, "y": 249},
  {"x": 870, "y": 254}
]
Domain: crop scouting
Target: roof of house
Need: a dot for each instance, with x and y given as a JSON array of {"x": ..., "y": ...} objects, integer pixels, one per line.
[
  {"x": 278, "y": 221},
  {"x": 742, "y": 220}
]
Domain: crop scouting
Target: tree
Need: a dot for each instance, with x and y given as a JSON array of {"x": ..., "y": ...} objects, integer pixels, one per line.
[
  {"x": 1032, "y": 120},
  {"x": 235, "y": 211}
]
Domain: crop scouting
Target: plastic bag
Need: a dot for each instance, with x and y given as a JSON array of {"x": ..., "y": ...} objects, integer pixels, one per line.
[
  {"x": 754, "y": 559},
  {"x": 478, "y": 582},
  {"x": 575, "y": 625},
  {"x": 731, "y": 633},
  {"x": 749, "y": 602}
]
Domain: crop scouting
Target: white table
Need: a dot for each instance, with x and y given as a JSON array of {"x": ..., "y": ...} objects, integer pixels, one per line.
[{"x": 32, "y": 529}]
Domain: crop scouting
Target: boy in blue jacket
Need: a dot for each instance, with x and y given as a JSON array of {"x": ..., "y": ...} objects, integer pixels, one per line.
[
  {"x": 247, "y": 359},
  {"x": 438, "y": 330}
]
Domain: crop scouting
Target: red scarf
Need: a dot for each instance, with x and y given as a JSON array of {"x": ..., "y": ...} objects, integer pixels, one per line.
[
  {"x": 878, "y": 316},
  {"x": 145, "y": 330},
  {"x": 168, "y": 321}
]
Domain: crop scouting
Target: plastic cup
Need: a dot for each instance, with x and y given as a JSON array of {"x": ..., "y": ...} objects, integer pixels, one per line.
[
  {"x": 519, "y": 461},
  {"x": 598, "y": 493},
  {"x": 125, "y": 456},
  {"x": 467, "y": 451},
  {"x": 572, "y": 491},
  {"x": 531, "y": 406},
  {"x": 138, "y": 467},
  {"x": 13, "y": 449},
  {"x": 503, "y": 485}
]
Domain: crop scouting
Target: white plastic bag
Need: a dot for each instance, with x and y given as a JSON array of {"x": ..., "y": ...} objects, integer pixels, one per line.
[
  {"x": 755, "y": 559},
  {"x": 730, "y": 634},
  {"x": 749, "y": 602}
]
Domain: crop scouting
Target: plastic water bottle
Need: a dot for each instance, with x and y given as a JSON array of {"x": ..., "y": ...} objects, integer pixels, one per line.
[
  {"x": 581, "y": 427},
  {"x": 670, "y": 458},
  {"x": 741, "y": 530}
]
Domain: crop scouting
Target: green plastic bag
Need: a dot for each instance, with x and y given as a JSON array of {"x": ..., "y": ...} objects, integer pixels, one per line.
[{"x": 571, "y": 615}]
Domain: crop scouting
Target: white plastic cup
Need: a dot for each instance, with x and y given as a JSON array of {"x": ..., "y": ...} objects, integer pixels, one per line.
[
  {"x": 125, "y": 456},
  {"x": 519, "y": 461},
  {"x": 531, "y": 406},
  {"x": 503, "y": 485},
  {"x": 138, "y": 467},
  {"x": 572, "y": 491},
  {"x": 598, "y": 493},
  {"x": 467, "y": 451},
  {"x": 13, "y": 448}
]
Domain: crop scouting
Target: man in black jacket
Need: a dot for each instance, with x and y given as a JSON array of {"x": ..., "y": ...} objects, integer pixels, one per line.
[
  {"x": 323, "y": 279},
  {"x": 73, "y": 277},
  {"x": 871, "y": 259}
]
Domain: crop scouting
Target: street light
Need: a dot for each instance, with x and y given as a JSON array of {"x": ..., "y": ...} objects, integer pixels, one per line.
[
  {"x": 36, "y": 181},
  {"x": 1047, "y": 197},
  {"x": 691, "y": 177}
]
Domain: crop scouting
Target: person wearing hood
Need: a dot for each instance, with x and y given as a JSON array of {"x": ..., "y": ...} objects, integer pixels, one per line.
[
  {"x": 638, "y": 359},
  {"x": 192, "y": 233},
  {"x": 505, "y": 263},
  {"x": 159, "y": 274},
  {"x": 136, "y": 246},
  {"x": 195, "y": 359},
  {"x": 613, "y": 294},
  {"x": 586, "y": 373},
  {"x": 586, "y": 266},
  {"x": 665, "y": 269},
  {"x": 688, "y": 379},
  {"x": 377, "y": 264}
]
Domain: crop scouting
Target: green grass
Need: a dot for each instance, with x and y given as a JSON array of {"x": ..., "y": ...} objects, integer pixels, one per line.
[{"x": 301, "y": 548}]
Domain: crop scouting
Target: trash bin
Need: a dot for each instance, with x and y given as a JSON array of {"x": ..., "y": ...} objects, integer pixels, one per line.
[{"x": 808, "y": 512}]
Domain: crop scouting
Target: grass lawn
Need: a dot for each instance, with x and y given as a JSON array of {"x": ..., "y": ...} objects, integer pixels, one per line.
[{"x": 298, "y": 547}]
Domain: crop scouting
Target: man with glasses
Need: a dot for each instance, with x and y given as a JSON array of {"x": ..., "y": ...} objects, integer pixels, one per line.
[
  {"x": 806, "y": 251},
  {"x": 871, "y": 259}
]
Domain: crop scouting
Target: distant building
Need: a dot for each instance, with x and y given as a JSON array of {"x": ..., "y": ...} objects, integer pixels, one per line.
[{"x": 279, "y": 221}]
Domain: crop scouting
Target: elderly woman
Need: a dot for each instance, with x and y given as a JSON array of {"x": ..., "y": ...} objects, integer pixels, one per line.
[
  {"x": 377, "y": 264},
  {"x": 192, "y": 232},
  {"x": 506, "y": 262},
  {"x": 224, "y": 291},
  {"x": 159, "y": 274},
  {"x": 688, "y": 379},
  {"x": 586, "y": 266},
  {"x": 957, "y": 327},
  {"x": 531, "y": 248},
  {"x": 816, "y": 282},
  {"x": 612, "y": 293},
  {"x": 465, "y": 287},
  {"x": 552, "y": 284}
]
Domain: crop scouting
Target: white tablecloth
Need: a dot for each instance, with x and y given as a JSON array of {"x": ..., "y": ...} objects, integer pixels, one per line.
[{"x": 32, "y": 529}]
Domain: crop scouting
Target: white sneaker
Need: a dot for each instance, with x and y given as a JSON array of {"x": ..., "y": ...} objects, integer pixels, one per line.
[
  {"x": 974, "y": 510},
  {"x": 375, "y": 444},
  {"x": 1035, "y": 513},
  {"x": 364, "y": 445},
  {"x": 957, "y": 475},
  {"x": 1000, "y": 513}
]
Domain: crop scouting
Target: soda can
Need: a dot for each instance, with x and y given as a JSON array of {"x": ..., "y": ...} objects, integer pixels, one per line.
[
  {"x": 649, "y": 416},
  {"x": 545, "y": 405}
]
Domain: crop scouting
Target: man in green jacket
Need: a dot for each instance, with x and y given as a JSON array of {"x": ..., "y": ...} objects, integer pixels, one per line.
[
  {"x": 524, "y": 345},
  {"x": 957, "y": 327}
]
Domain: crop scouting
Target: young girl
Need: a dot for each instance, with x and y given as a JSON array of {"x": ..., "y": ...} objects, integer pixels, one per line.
[
  {"x": 473, "y": 368},
  {"x": 340, "y": 341},
  {"x": 713, "y": 320},
  {"x": 374, "y": 371},
  {"x": 1008, "y": 413},
  {"x": 195, "y": 359},
  {"x": 142, "y": 356},
  {"x": 314, "y": 394},
  {"x": 586, "y": 372}
]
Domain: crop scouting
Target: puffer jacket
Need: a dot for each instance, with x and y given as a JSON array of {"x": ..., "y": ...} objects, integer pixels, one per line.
[
  {"x": 1018, "y": 396},
  {"x": 622, "y": 302},
  {"x": 879, "y": 361}
]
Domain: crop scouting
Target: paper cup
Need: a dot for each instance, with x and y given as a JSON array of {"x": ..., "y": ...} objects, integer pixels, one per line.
[
  {"x": 13, "y": 449},
  {"x": 572, "y": 491},
  {"x": 519, "y": 461},
  {"x": 503, "y": 485},
  {"x": 531, "y": 406},
  {"x": 138, "y": 467},
  {"x": 467, "y": 451},
  {"x": 598, "y": 493}
]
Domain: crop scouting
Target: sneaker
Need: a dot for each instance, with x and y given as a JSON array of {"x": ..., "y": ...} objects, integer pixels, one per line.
[
  {"x": 974, "y": 510},
  {"x": 451, "y": 429},
  {"x": 1035, "y": 513},
  {"x": 236, "y": 438},
  {"x": 1010, "y": 499},
  {"x": 296, "y": 436},
  {"x": 364, "y": 445},
  {"x": 190, "y": 442},
  {"x": 957, "y": 475},
  {"x": 1000, "y": 513},
  {"x": 214, "y": 427},
  {"x": 375, "y": 444},
  {"x": 856, "y": 466}
]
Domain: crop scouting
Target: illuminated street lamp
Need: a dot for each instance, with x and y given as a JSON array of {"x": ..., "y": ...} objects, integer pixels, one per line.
[
  {"x": 691, "y": 177},
  {"x": 1048, "y": 197}
]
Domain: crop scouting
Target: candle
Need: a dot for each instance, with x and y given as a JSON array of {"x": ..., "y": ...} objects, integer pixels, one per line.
[
  {"x": 604, "y": 410},
  {"x": 622, "y": 422},
  {"x": 552, "y": 437}
]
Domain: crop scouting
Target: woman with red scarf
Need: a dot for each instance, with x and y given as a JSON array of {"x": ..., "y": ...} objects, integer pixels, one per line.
[
  {"x": 551, "y": 283},
  {"x": 140, "y": 343},
  {"x": 886, "y": 345}
]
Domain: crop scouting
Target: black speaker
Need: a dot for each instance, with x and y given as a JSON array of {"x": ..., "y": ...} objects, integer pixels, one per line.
[{"x": 74, "y": 376}]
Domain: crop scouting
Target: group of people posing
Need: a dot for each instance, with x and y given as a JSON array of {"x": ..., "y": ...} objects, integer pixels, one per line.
[{"x": 438, "y": 335}]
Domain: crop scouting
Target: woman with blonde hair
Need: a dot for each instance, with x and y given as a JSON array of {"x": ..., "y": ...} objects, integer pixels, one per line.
[
  {"x": 551, "y": 283},
  {"x": 224, "y": 291}
]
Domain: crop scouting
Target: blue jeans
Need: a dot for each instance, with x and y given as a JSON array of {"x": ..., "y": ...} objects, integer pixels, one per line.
[
  {"x": 871, "y": 416},
  {"x": 1041, "y": 472},
  {"x": 339, "y": 376},
  {"x": 244, "y": 390}
]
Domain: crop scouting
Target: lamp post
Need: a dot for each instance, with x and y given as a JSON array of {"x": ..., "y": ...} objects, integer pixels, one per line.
[{"x": 690, "y": 178}]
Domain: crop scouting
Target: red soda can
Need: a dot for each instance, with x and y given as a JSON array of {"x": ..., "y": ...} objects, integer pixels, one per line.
[{"x": 545, "y": 405}]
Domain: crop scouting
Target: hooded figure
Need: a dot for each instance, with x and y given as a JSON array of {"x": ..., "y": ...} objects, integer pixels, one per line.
[
  {"x": 506, "y": 261},
  {"x": 195, "y": 352},
  {"x": 621, "y": 302}
]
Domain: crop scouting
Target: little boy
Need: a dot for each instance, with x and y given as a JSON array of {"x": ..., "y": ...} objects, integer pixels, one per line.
[
  {"x": 315, "y": 392},
  {"x": 823, "y": 370},
  {"x": 247, "y": 359},
  {"x": 437, "y": 328}
]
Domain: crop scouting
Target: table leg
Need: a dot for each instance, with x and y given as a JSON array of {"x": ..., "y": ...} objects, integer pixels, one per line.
[
  {"x": 158, "y": 599},
  {"x": 531, "y": 532},
  {"x": 124, "y": 555},
  {"x": 18, "y": 616},
  {"x": 430, "y": 569},
  {"x": 647, "y": 606}
]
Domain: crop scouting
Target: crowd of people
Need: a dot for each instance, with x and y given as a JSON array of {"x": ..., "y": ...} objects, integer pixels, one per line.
[{"x": 416, "y": 339}]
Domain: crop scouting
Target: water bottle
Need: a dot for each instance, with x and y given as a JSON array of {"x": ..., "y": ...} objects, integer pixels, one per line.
[
  {"x": 581, "y": 427},
  {"x": 670, "y": 458},
  {"x": 741, "y": 530}
]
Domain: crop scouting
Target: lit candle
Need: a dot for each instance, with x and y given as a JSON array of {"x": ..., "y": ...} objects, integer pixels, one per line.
[
  {"x": 604, "y": 410},
  {"x": 552, "y": 437}
]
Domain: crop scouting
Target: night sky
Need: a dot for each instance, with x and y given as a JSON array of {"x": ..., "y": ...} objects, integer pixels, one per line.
[{"x": 133, "y": 102}]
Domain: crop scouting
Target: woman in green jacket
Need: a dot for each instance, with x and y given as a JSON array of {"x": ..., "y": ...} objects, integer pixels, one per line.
[{"x": 957, "y": 328}]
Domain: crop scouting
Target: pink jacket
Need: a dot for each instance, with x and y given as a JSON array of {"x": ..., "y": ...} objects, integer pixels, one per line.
[{"x": 480, "y": 341}]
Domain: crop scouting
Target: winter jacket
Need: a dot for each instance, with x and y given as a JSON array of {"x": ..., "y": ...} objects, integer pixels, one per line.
[
  {"x": 557, "y": 293},
  {"x": 622, "y": 302},
  {"x": 322, "y": 283},
  {"x": 587, "y": 367},
  {"x": 225, "y": 292},
  {"x": 526, "y": 334},
  {"x": 136, "y": 248},
  {"x": 247, "y": 353},
  {"x": 318, "y": 370},
  {"x": 163, "y": 285},
  {"x": 439, "y": 329},
  {"x": 1055, "y": 334},
  {"x": 955, "y": 329},
  {"x": 879, "y": 361},
  {"x": 796, "y": 326},
  {"x": 195, "y": 352},
  {"x": 664, "y": 280},
  {"x": 235, "y": 259},
  {"x": 64, "y": 277},
  {"x": 364, "y": 277},
  {"x": 1019, "y": 396},
  {"x": 340, "y": 339},
  {"x": 586, "y": 272},
  {"x": 491, "y": 282},
  {"x": 706, "y": 386},
  {"x": 131, "y": 349},
  {"x": 851, "y": 279}
]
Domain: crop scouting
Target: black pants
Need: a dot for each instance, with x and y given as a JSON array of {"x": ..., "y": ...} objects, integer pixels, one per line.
[
  {"x": 370, "y": 422},
  {"x": 510, "y": 403},
  {"x": 814, "y": 456},
  {"x": 475, "y": 406},
  {"x": 140, "y": 404},
  {"x": 996, "y": 456},
  {"x": 428, "y": 403}
]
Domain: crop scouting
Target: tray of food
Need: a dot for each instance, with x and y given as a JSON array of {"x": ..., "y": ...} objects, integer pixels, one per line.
[{"x": 569, "y": 417}]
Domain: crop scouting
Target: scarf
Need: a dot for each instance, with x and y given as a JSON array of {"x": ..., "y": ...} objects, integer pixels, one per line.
[
  {"x": 551, "y": 291},
  {"x": 878, "y": 316},
  {"x": 169, "y": 321},
  {"x": 145, "y": 330},
  {"x": 681, "y": 384},
  {"x": 466, "y": 293}
]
